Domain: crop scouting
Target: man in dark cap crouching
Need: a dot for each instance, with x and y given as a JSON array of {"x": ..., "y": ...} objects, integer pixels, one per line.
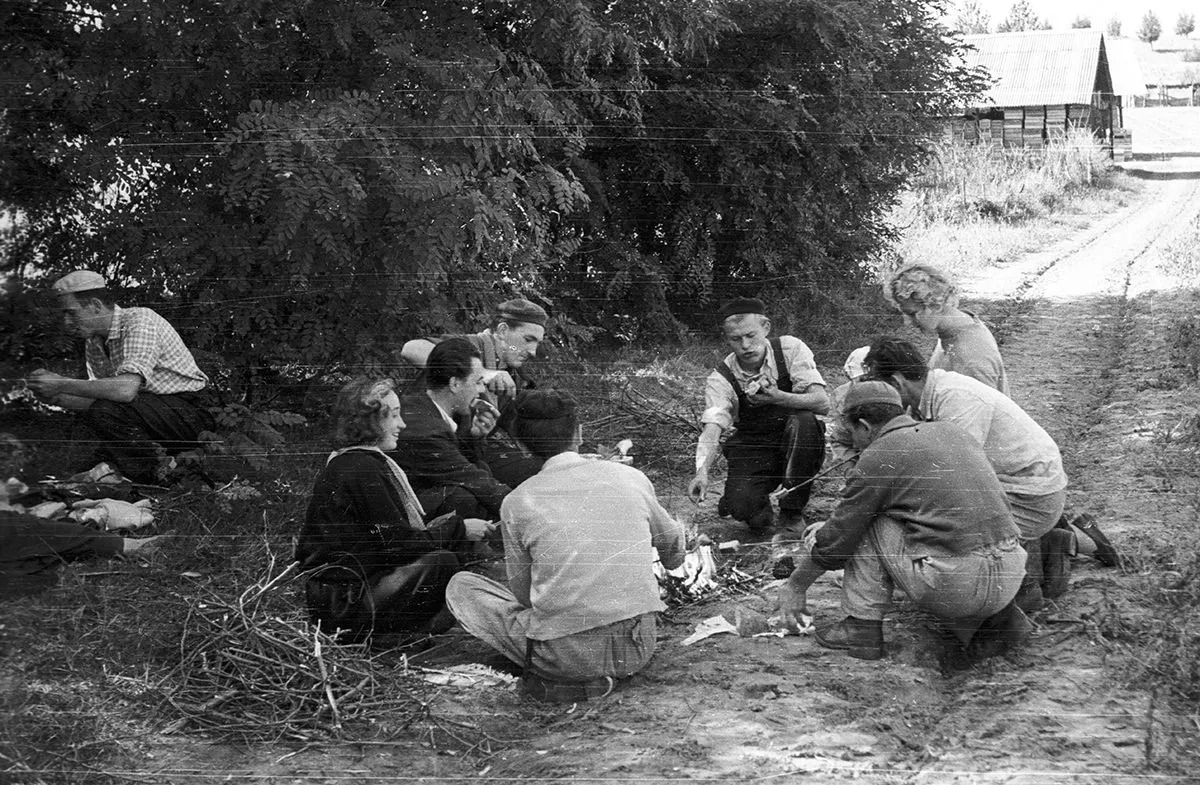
[
  {"x": 771, "y": 391},
  {"x": 517, "y": 331},
  {"x": 924, "y": 512}
]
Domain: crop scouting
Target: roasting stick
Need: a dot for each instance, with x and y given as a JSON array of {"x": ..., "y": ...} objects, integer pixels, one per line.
[{"x": 782, "y": 493}]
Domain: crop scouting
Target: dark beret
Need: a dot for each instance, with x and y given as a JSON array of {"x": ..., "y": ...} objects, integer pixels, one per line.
[
  {"x": 742, "y": 305},
  {"x": 521, "y": 310}
]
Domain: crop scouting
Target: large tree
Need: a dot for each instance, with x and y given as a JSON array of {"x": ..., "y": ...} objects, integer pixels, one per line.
[{"x": 306, "y": 182}]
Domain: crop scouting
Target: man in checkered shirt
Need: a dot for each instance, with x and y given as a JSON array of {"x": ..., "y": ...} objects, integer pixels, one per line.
[{"x": 144, "y": 396}]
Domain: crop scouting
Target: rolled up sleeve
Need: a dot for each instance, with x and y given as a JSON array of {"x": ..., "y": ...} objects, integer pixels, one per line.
[
  {"x": 139, "y": 347},
  {"x": 720, "y": 402}
]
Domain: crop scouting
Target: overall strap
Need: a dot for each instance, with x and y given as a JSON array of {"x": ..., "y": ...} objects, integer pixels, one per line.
[
  {"x": 784, "y": 376},
  {"x": 727, "y": 374}
]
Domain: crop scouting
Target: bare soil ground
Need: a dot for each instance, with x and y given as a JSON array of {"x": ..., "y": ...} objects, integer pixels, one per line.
[{"x": 1084, "y": 330}]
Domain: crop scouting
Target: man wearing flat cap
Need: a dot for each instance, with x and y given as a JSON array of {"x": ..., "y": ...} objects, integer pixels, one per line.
[
  {"x": 923, "y": 512},
  {"x": 144, "y": 396},
  {"x": 517, "y": 331},
  {"x": 770, "y": 390}
]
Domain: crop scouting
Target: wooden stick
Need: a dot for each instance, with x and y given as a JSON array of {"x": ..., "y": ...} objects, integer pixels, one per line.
[{"x": 337, "y": 717}]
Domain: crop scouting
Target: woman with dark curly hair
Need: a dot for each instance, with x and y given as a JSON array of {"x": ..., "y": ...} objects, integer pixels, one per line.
[{"x": 376, "y": 563}]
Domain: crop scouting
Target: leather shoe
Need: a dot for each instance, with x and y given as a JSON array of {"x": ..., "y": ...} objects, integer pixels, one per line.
[
  {"x": 860, "y": 638},
  {"x": 1029, "y": 597},
  {"x": 1057, "y": 545},
  {"x": 540, "y": 688},
  {"x": 1106, "y": 552},
  {"x": 1000, "y": 632}
]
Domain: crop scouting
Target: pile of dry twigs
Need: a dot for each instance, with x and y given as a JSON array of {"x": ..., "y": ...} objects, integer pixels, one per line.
[
  {"x": 250, "y": 673},
  {"x": 657, "y": 405}
]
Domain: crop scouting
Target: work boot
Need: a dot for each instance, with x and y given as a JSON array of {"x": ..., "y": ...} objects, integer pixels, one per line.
[
  {"x": 723, "y": 507},
  {"x": 547, "y": 690},
  {"x": 1106, "y": 553},
  {"x": 999, "y": 633},
  {"x": 1057, "y": 547},
  {"x": 860, "y": 638},
  {"x": 1029, "y": 597}
]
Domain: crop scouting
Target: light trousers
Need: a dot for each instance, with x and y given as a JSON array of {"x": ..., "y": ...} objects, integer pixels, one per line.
[
  {"x": 973, "y": 585},
  {"x": 489, "y": 611}
]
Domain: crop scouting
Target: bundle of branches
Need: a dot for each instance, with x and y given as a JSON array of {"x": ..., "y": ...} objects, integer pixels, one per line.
[
  {"x": 250, "y": 672},
  {"x": 657, "y": 405}
]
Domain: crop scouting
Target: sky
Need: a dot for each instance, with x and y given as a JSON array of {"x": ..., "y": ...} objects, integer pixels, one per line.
[{"x": 1061, "y": 13}]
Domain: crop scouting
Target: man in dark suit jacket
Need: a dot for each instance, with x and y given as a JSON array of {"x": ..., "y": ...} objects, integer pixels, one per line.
[{"x": 442, "y": 463}]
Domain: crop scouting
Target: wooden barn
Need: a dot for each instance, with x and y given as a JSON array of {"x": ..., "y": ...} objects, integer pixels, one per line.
[{"x": 1045, "y": 82}]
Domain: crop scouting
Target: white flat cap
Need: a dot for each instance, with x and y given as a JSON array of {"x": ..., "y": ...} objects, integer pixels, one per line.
[{"x": 79, "y": 281}]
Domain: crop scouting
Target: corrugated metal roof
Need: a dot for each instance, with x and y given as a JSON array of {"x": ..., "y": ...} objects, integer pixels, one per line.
[
  {"x": 1038, "y": 67},
  {"x": 1127, "y": 75}
]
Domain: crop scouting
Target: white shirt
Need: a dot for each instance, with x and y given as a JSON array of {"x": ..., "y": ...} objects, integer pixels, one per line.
[
  {"x": 1025, "y": 458},
  {"x": 720, "y": 401}
]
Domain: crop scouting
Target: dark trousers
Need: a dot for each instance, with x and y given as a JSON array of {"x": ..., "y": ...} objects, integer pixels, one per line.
[
  {"x": 402, "y": 599},
  {"x": 760, "y": 463},
  {"x": 30, "y": 549},
  {"x": 415, "y": 593},
  {"x": 132, "y": 436}
]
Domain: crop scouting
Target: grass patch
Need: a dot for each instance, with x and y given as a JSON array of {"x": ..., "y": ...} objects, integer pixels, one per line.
[
  {"x": 978, "y": 206},
  {"x": 1181, "y": 256}
]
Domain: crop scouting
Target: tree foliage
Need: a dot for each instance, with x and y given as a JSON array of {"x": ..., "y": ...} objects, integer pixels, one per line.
[
  {"x": 305, "y": 183},
  {"x": 1114, "y": 27},
  {"x": 1151, "y": 29},
  {"x": 1022, "y": 17},
  {"x": 1185, "y": 24},
  {"x": 972, "y": 19},
  {"x": 1082, "y": 23}
]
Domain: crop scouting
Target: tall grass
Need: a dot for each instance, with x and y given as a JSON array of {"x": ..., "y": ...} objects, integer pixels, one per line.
[
  {"x": 1011, "y": 184},
  {"x": 1181, "y": 256},
  {"x": 977, "y": 205}
]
